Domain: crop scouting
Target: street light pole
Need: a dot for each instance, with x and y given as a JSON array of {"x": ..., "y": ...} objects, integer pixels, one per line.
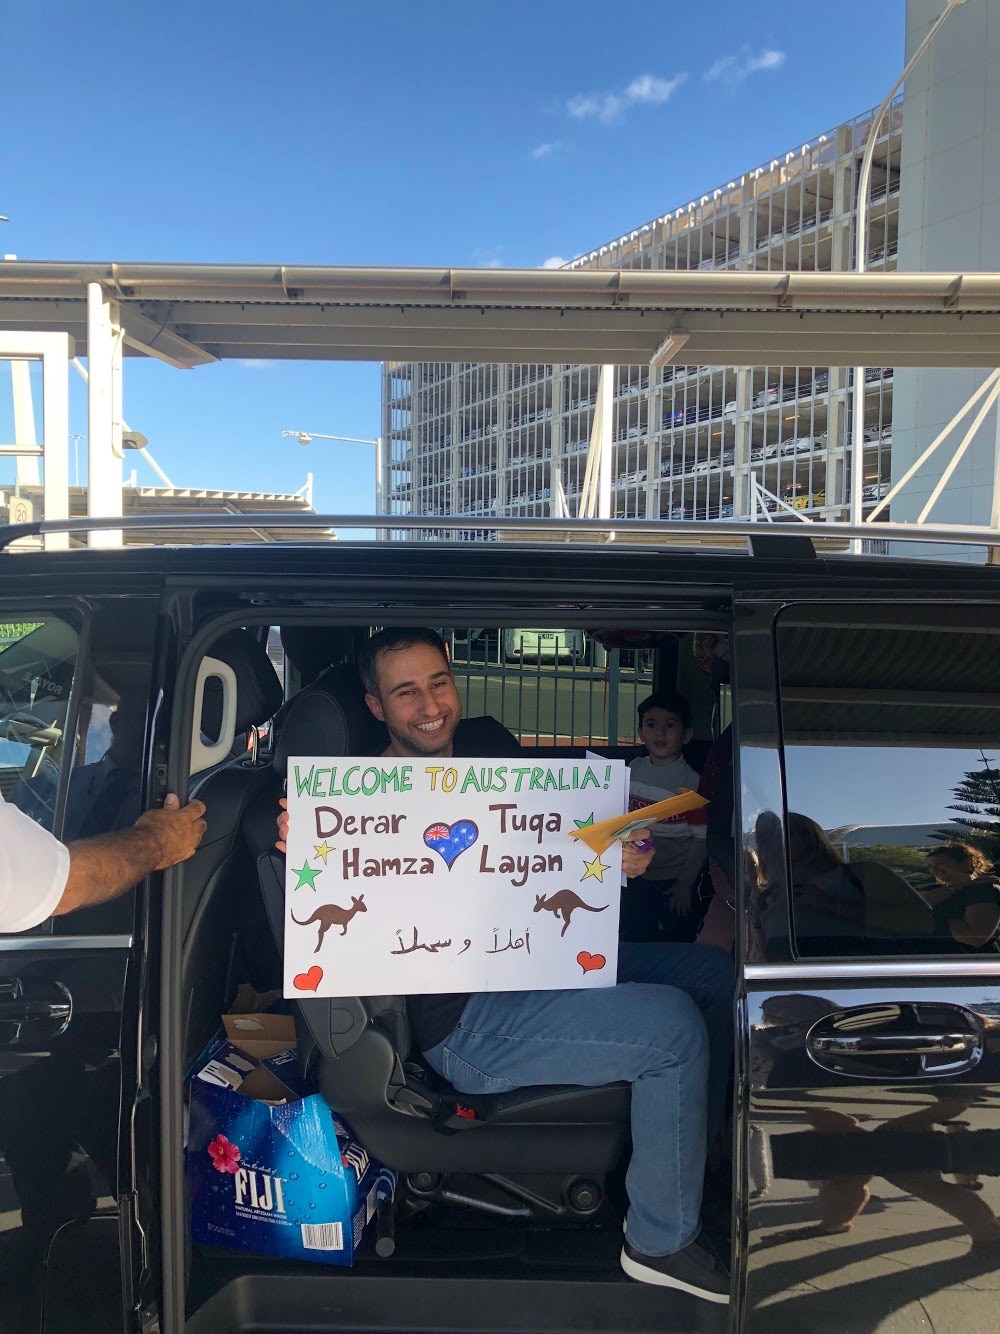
[
  {"x": 861, "y": 248},
  {"x": 305, "y": 437}
]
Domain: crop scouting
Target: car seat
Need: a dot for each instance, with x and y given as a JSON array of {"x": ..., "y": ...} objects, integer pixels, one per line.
[
  {"x": 547, "y": 1147},
  {"x": 220, "y": 911}
]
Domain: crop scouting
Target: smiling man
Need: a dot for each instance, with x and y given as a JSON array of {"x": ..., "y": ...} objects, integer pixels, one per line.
[
  {"x": 657, "y": 1029},
  {"x": 409, "y": 687}
]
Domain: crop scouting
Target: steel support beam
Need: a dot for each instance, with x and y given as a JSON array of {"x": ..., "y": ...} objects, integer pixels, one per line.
[
  {"x": 54, "y": 350},
  {"x": 104, "y": 414}
]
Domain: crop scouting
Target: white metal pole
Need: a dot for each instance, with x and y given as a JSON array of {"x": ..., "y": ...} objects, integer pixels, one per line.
[
  {"x": 379, "y": 481},
  {"x": 55, "y": 439},
  {"x": 604, "y": 411},
  {"x": 104, "y": 466},
  {"x": 27, "y": 472},
  {"x": 861, "y": 249}
]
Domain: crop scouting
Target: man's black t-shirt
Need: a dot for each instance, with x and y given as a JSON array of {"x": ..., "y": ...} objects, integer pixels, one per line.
[{"x": 433, "y": 1017}]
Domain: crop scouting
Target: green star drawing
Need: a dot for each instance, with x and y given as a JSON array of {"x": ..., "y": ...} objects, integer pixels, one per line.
[
  {"x": 307, "y": 875},
  {"x": 582, "y": 824}
]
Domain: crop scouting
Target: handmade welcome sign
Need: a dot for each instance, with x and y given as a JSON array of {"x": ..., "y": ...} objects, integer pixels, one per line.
[{"x": 432, "y": 875}]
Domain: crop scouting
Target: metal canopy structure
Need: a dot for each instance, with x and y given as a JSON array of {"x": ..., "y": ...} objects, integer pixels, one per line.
[
  {"x": 219, "y": 514},
  {"x": 192, "y": 314}
]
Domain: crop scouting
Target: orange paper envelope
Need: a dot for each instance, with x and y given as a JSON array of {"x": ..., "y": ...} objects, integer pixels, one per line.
[{"x": 599, "y": 837}]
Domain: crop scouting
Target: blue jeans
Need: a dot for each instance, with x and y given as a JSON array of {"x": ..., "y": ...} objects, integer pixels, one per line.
[{"x": 666, "y": 1029}]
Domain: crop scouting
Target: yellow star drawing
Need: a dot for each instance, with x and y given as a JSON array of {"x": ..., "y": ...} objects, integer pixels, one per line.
[
  {"x": 596, "y": 868},
  {"x": 323, "y": 850}
]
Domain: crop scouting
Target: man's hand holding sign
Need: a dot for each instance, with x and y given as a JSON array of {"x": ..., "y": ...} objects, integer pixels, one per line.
[{"x": 488, "y": 891}]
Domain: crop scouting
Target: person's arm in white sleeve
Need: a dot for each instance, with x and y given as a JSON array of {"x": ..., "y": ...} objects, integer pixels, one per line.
[{"x": 40, "y": 878}]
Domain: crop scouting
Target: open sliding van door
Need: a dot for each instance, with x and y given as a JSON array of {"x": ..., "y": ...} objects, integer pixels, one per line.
[{"x": 869, "y": 1080}]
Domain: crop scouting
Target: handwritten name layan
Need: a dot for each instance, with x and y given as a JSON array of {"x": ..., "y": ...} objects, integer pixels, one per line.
[{"x": 416, "y": 876}]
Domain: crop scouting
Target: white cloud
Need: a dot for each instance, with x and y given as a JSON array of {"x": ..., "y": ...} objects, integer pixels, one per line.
[
  {"x": 545, "y": 150},
  {"x": 488, "y": 258},
  {"x": 643, "y": 90},
  {"x": 732, "y": 70},
  {"x": 649, "y": 89},
  {"x": 554, "y": 262}
]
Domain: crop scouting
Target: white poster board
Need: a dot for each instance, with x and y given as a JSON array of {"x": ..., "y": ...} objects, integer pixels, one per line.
[{"x": 415, "y": 876}]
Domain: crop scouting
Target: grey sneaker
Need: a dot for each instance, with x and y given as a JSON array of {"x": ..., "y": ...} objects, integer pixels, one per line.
[{"x": 695, "y": 1270}]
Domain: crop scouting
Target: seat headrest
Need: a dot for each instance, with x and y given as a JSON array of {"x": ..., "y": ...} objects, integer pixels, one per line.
[
  {"x": 259, "y": 692},
  {"x": 311, "y": 648},
  {"x": 329, "y": 720}
]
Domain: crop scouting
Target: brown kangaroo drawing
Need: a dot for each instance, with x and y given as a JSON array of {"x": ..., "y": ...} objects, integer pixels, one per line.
[
  {"x": 331, "y": 914},
  {"x": 564, "y": 905}
]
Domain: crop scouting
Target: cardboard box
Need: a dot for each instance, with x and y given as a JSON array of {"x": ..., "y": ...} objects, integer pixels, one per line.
[{"x": 270, "y": 1168}]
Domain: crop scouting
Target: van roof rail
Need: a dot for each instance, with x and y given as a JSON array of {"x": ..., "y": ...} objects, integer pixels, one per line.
[{"x": 648, "y": 533}]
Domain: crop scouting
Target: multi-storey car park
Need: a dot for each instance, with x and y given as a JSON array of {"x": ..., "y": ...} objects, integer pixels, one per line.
[{"x": 689, "y": 442}]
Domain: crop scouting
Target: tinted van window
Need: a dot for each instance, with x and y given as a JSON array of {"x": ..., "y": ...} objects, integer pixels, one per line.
[
  {"x": 38, "y": 657},
  {"x": 890, "y": 724}
]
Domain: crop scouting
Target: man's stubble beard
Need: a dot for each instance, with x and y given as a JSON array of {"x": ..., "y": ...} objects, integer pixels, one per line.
[{"x": 409, "y": 746}]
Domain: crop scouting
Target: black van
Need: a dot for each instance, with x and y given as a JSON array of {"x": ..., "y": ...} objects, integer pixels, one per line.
[{"x": 858, "y": 1182}]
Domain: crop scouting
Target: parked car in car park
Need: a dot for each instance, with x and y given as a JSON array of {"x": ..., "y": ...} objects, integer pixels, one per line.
[
  {"x": 541, "y": 645},
  {"x": 804, "y": 499},
  {"x": 765, "y": 397},
  {"x": 800, "y": 445}
]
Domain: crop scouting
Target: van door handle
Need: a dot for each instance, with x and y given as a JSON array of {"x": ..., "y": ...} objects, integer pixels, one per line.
[
  {"x": 33, "y": 1011},
  {"x": 897, "y": 1040},
  {"x": 956, "y": 1044}
]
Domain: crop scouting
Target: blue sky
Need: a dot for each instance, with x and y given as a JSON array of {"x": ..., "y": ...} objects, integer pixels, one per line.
[{"x": 490, "y": 133}]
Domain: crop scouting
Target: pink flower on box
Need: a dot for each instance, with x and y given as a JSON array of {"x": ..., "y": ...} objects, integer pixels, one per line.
[{"x": 225, "y": 1156}]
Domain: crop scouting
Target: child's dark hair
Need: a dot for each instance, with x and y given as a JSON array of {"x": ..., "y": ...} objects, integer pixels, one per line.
[{"x": 669, "y": 700}]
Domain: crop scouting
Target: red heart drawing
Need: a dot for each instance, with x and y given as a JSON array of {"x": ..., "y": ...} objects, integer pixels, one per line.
[
  {"x": 590, "y": 962},
  {"x": 311, "y": 980}
]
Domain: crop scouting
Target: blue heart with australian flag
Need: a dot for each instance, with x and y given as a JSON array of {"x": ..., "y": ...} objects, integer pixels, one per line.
[{"x": 449, "y": 841}]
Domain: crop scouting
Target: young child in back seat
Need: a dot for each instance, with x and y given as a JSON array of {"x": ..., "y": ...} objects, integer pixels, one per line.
[{"x": 659, "y": 905}]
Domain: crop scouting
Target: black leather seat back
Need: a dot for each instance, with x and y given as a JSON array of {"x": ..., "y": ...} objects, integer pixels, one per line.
[
  {"x": 227, "y": 938},
  {"x": 331, "y": 718}
]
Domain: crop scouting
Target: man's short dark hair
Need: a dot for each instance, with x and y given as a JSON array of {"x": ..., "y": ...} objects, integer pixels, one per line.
[
  {"x": 672, "y": 701},
  {"x": 392, "y": 640}
]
